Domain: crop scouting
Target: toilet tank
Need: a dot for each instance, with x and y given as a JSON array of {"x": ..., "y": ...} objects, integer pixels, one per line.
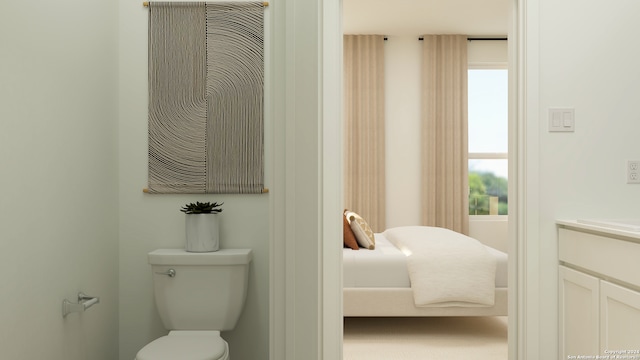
[{"x": 207, "y": 290}]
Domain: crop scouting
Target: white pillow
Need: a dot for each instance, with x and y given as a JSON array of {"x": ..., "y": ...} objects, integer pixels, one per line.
[{"x": 362, "y": 230}]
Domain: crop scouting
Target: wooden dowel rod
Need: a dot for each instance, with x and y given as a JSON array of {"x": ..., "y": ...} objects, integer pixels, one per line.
[
  {"x": 146, "y": 190},
  {"x": 264, "y": 3}
]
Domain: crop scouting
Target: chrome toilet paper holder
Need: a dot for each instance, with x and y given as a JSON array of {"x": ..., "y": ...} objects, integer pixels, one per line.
[{"x": 84, "y": 302}]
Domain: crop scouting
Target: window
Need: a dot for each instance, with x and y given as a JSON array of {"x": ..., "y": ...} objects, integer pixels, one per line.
[{"x": 488, "y": 141}]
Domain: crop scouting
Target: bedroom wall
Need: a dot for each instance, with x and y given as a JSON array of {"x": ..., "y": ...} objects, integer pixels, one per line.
[
  {"x": 586, "y": 58},
  {"x": 149, "y": 222},
  {"x": 402, "y": 133},
  {"x": 402, "y": 130},
  {"x": 58, "y": 189}
]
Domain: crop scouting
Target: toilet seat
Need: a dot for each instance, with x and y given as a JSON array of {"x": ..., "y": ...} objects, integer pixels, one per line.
[{"x": 186, "y": 345}]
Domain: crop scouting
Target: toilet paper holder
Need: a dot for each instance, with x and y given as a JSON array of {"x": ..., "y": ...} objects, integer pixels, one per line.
[{"x": 84, "y": 302}]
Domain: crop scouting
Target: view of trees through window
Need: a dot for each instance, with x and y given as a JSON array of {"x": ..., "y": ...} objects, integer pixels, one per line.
[
  {"x": 487, "y": 194},
  {"x": 488, "y": 141}
]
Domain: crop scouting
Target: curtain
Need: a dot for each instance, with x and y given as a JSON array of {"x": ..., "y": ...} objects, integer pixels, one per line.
[
  {"x": 364, "y": 183},
  {"x": 206, "y": 80},
  {"x": 445, "y": 201}
]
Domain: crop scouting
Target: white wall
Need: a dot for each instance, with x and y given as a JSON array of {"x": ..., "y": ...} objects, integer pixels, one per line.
[
  {"x": 58, "y": 171},
  {"x": 149, "y": 222},
  {"x": 487, "y": 53},
  {"x": 403, "y": 58},
  {"x": 588, "y": 61},
  {"x": 491, "y": 230}
]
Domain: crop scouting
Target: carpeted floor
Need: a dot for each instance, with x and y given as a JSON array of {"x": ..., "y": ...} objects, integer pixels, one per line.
[{"x": 478, "y": 338}]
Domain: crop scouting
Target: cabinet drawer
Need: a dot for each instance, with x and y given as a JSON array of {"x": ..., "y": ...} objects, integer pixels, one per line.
[{"x": 610, "y": 257}]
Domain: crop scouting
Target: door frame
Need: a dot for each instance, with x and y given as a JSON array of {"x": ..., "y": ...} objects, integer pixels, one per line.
[{"x": 305, "y": 261}]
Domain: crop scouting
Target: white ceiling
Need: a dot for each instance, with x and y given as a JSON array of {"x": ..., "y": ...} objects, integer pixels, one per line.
[{"x": 417, "y": 17}]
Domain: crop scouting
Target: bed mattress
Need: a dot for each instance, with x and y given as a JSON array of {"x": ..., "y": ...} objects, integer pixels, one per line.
[{"x": 386, "y": 266}]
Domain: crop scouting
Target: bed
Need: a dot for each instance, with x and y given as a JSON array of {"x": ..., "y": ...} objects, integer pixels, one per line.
[{"x": 378, "y": 282}]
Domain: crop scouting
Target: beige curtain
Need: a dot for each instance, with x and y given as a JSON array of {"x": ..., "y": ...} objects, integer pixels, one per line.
[
  {"x": 364, "y": 183},
  {"x": 445, "y": 201}
]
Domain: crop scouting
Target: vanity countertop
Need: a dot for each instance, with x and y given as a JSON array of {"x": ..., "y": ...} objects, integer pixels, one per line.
[{"x": 628, "y": 229}]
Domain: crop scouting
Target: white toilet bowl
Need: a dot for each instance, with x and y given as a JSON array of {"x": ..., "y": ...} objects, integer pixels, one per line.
[
  {"x": 197, "y": 296},
  {"x": 186, "y": 345}
]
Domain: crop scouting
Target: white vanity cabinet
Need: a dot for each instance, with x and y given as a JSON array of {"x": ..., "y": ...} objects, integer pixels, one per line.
[
  {"x": 619, "y": 318},
  {"x": 599, "y": 290},
  {"x": 579, "y": 309}
]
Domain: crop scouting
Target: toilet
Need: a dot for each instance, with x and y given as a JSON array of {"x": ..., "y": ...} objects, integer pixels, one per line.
[{"x": 197, "y": 295}]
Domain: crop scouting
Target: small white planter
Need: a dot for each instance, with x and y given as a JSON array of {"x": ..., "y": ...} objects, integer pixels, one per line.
[{"x": 203, "y": 232}]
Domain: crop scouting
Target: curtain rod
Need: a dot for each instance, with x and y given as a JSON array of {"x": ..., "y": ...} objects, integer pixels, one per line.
[
  {"x": 478, "y": 38},
  {"x": 146, "y": 3},
  {"x": 484, "y": 39}
]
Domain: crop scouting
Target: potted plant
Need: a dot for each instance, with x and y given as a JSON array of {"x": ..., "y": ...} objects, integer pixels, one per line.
[{"x": 202, "y": 226}]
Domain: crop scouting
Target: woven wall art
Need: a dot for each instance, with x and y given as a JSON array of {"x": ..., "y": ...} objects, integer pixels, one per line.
[{"x": 206, "y": 81}]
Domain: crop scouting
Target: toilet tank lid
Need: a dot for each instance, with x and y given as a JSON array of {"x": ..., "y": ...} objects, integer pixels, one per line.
[{"x": 182, "y": 257}]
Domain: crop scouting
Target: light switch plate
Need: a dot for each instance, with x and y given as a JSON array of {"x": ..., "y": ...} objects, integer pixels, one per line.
[{"x": 561, "y": 120}]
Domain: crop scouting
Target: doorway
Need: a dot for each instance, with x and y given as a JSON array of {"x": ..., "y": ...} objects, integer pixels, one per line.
[
  {"x": 380, "y": 24},
  {"x": 314, "y": 329}
]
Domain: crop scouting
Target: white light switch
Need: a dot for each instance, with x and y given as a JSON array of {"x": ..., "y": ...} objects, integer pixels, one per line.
[
  {"x": 556, "y": 118},
  {"x": 561, "y": 120},
  {"x": 567, "y": 119}
]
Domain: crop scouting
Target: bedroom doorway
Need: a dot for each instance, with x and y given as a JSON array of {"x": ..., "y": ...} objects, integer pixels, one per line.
[{"x": 407, "y": 214}]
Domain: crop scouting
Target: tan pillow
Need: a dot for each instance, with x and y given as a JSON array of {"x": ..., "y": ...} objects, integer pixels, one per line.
[
  {"x": 362, "y": 230},
  {"x": 349, "y": 238}
]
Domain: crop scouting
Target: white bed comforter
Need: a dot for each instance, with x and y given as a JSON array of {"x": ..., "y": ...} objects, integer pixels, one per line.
[{"x": 446, "y": 268}]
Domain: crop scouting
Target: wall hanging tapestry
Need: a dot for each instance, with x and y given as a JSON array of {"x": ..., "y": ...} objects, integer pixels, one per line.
[{"x": 206, "y": 84}]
